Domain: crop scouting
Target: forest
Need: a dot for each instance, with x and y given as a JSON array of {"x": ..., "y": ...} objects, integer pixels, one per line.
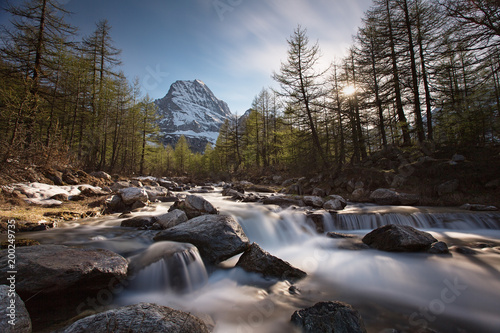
[{"x": 419, "y": 74}]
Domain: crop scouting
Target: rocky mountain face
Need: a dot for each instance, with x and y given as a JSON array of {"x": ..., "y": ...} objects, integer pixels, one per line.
[{"x": 191, "y": 109}]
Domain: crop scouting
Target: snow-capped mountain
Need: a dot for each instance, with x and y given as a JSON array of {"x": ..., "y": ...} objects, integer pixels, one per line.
[{"x": 191, "y": 109}]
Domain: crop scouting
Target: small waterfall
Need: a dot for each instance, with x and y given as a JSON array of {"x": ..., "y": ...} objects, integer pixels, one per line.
[
  {"x": 424, "y": 220},
  {"x": 168, "y": 266},
  {"x": 274, "y": 230}
]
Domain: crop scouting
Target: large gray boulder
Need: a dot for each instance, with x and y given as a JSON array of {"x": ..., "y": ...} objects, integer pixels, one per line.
[
  {"x": 335, "y": 317},
  {"x": 130, "y": 195},
  {"x": 256, "y": 260},
  {"x": 14, "y": 318},
  {"x": 58, "y": 270},
  {"x": 399, "y": 238},
  {"x": 217, "y": 237},
  {"x": 194, "y": 206},
  {"x": 142, "y": 317}
]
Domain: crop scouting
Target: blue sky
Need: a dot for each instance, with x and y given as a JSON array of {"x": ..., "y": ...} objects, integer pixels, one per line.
[{"x": 232, "y": 45}]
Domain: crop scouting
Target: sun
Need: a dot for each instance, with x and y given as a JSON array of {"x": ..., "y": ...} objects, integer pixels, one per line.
[{"x": 349, "y": 90}]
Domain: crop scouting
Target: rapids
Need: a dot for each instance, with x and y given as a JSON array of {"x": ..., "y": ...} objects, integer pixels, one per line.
[{"x": 403, "y": 291}]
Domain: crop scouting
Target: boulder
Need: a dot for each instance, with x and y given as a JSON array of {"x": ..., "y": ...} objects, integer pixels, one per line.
[
  {"x": 194, "y": 206},
  {"x": 156, "y": 192},
  {"x": 142, "y": 222},
  {"x": 200, "y": 204},
  {"x": 171, "y": 219},
  {"x": 383, "y": 196},
  {"x": 142, "y": 317},
  {"x": 101, "y": 175},
  {"x": 115, "y": 204},
  {"x": 119, "y": 185},
  {"x": 313, "y": 201},
  {"x": 58, "y": 270},
  {"x": 335, "y": 202},
  {"x": 91, "y": 191},
  {"x": 359, "y": 194},
  {"x": 217, "y": 237},
  {"x": 448, "y": 187},
  {"x": 256, "y": 260},
  {"x": 130, "y": 195},
  {"x": 16, "y": 313},
  {"x": 399, "y": 238},
  {"x": 335, "y": 317}
]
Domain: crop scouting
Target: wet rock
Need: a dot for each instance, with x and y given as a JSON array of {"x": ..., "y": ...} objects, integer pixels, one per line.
[
  {"x": 55, "y": 272},
  {"x": 130, "y": 195},
  {"x": 171, "y": 219},
  {"x": 252, "y": 197},
  {"x": 142, "y": 222},
  {"x": 439, "y": 248},
  {"x": 337, "y": 235},
  {"x": 256, "y": 260},
  {"x": 409, "y": 199},
  {"x": 464, "y": 250},
  {"x": 282, "y": 201},
  {"x": 217, "y": 237},
  {"x": 16, "y": 313},
  {"x": 383, "y": 196},
  {"x": 448, "y": 187},
  {"x": 479, "y": 208},
  {"x": 115, "y": 204},
  {"x": 399, "y": 238},
  {"x": 335, "y": 317},
  {"x": 313, "y": 201},
  {"x": 317, "y": 221},
  {"x": 235, "y": 195},
  {"x": 142, "y": 317},
  {"x": 335, "y": 202}
]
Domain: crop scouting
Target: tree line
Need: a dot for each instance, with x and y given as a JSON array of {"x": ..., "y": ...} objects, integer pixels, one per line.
[
  {"x": 66, "y": 100},
  {"x": 419, "y": 73}
]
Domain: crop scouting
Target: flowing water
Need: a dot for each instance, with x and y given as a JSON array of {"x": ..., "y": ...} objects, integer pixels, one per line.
[{"x": 404, "y": 291}]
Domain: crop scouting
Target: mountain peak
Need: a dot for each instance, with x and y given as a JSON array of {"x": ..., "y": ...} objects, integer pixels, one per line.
[{"x": 191, "y": 109}]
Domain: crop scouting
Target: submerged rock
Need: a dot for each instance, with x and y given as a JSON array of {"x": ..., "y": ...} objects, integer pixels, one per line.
[
  {"x": 335, "y": 317},
  {"x": 142, "y": 317},
  {"x": 217, "y": 237},
  {"x": 14, "y": 312},
  {"x": 138, "y": 222},
  {"x": 256, "y": 260},
  {"x": 399, "y": 238}
]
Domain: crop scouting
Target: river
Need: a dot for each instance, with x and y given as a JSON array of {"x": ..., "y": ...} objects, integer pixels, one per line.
[{"x": 407, "y": 292}]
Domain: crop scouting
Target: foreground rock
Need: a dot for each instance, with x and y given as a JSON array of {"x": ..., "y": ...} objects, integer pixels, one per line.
[
  {"x": 130, "y": 195},
  {"x": 217, "y": 237},
  {"x": 256, "y": 260},
  {"x": 13, "y": 313},
  {"x": 399, "y": 238},
  {"x": 335, "y": 317},
  {"x": 59, "y": 270},
  {"x": 142, "y": 317}
]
